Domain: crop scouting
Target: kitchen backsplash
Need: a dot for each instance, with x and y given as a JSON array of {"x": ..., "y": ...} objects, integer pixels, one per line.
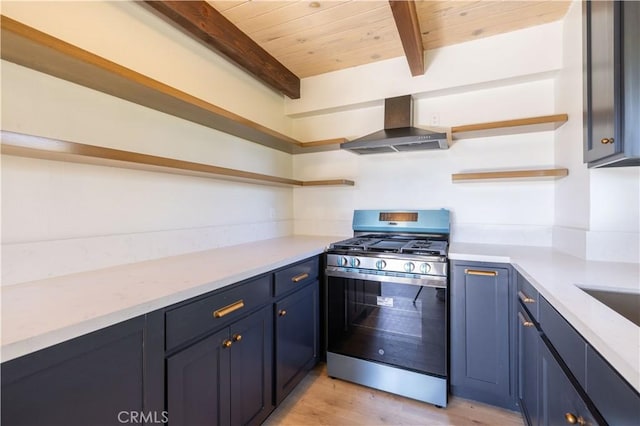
[
  {"x": 38, "y": 260},
  {"x": 529, "y": 235},
  {"x": 607, "y": 246}
]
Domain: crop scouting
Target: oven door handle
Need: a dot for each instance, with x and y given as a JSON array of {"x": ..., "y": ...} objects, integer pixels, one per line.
[{"x": 427, "y": 280}]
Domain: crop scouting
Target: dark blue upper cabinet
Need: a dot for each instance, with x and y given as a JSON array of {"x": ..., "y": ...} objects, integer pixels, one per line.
[{"x": 611, "y": 31}]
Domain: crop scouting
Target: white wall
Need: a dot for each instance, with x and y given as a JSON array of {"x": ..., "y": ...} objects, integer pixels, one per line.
[
  {"x": 502, "y": 211},
  {"x": 597, "y": 210},
  {"x": 472, "y": 91},
  {"x": 59, "y": 218},
  {"x": 572, "y": 193}
]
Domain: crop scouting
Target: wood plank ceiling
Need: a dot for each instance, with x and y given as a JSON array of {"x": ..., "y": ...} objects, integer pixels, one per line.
[{"x": 316, "y": 37}]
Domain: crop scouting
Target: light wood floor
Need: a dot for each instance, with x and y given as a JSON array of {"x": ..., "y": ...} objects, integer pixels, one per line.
[{"x": 320, "y": 400}]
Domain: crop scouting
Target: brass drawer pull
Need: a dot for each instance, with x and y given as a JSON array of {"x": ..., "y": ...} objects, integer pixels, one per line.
[
  {"x": 227, "y": 344},
  {"x": 525, "y": 298},
  {"x": 300, "y": 277},
  {"x": 236, "y": 337},
  {"x": 228, "y": 309},
  {"x": 483, "y": 273},
  {"x": 606, "y": 140},
  {"x": 524, "y": 321},
  {"x": 572, "y": 419}
]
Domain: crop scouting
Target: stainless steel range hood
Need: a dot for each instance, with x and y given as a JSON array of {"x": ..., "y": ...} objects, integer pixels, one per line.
[{"x": 398, "y": 134}]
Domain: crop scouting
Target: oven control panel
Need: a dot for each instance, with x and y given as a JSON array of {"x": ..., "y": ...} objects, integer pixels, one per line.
[{"x": 417, "y": 271}]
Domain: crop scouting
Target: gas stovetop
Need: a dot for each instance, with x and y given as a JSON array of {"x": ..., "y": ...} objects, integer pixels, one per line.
[
  {"x": 404, "y": 246},
  {"x": 389, "y": 243}
]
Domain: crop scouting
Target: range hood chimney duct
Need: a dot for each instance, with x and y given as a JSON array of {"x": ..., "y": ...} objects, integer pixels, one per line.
[{"x": 398, "y": 134}]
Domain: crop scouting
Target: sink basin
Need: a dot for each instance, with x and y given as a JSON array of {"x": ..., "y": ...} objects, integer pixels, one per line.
[{"x": 626, "y": 304}]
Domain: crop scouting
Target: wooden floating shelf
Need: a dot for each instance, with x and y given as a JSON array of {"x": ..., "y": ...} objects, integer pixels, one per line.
[
  {"x": 26, "y": 46},
  {"x": 319, "y": 146},
  {"x": 39, "y": 51},
  {"x": 22, "y": 145},
  {"x": 511, "y": 174},
  {"x": 509, "y": 127}
]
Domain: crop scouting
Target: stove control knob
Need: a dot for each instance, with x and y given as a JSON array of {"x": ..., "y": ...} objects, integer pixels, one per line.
[
  {"x": 355, "y": 262},
  {"x": 343, "y": 261},
  {"x": 425, "y": 268},
  {"x": 381, "y": 264},
  {"x": 409, "y": 266}
]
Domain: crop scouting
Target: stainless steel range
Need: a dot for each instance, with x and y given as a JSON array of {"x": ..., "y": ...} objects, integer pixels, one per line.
[{"x": 387, "y": 303}]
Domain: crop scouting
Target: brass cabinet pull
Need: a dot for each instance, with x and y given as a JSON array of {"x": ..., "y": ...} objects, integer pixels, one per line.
[
  {"x": 525, "y": 298},
  {"x": 606, "y": 140},
  {"x": 572, "y": 419},
  {"x": 282, "y": 313},
  {"x": 228, "y": 309},
  {"x": 237, "y": 337},
  {"x": 483, "y": 273},
  {"x": 227, "y": 343},
  {"x": 300, "y": 277},
  {"x": 524, "y": 321}
]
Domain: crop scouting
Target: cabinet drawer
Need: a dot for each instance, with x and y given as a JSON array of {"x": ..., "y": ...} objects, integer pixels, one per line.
[
  {"x": 297, "y": 275},
  {"x": 196, "y": 318},
  {"x": 569, "y": 344},
  {"x": 529, "y": 297},
  {"x": 615, "y": 399}
]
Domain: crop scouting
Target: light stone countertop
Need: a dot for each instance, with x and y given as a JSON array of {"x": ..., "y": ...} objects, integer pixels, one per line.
[
  {"x": 555, "y": 275},
  {"x": 42, "y": 313}
]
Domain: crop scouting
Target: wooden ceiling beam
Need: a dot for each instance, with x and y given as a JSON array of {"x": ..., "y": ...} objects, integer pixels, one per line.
[
  {"x": 406, "y": 17},
  {"x": 202, "y": 21}
]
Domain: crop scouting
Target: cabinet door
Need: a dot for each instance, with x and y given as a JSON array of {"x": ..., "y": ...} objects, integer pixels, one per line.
[
  {"x": 198, "y": 383},
  {"x": 297, "y": 328},
  {"x": 599, "y": 56},
  {"x": 560, "y": 401},
  {"x": 251, "y": 368},
  {"x": 528, "y": 355},
  {"x": 480, "y": 327},
  {"x": 96, "y": 379}
]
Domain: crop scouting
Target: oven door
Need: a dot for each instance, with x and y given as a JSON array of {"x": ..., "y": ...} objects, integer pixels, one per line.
[{"x": 377, "y": 319}]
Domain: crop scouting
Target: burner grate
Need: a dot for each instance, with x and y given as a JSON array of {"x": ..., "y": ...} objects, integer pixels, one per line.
[
  {"x": 358, "y": 243},
  {"x": 429, "y": 247},
  {"x": 393, "y": 244}
]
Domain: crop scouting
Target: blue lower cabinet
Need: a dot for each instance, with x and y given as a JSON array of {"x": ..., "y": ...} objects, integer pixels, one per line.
[
  {"x": 251, "y": 368},
  {"x": 208, "y": 360},
  {"x": 198, "y": 382},
  {"x": 482, "y": 333},
  {"x": 511, "y": 348},
  {"x": 615, "y": 399},
  {"x": 550, "y": 367},
  {"x": 563, "y": 380},
  {"x": 95, "y": 379},
  {"x": 561, "y": 402},
  {"x": 297, "y": 338},
  {"x": 225, "y": 378}
]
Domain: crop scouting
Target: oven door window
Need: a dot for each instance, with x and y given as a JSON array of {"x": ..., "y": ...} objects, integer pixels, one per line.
[{"x": 397, "y": 324}]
